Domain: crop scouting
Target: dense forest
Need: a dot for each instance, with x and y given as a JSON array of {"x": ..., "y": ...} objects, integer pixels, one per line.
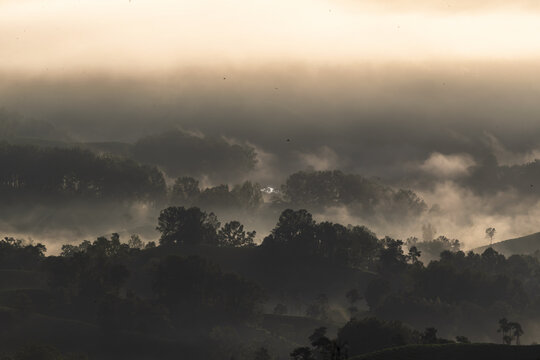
[
  {"x": 55, "y": 174},
  {"x": 212, "y": 285},
  {"x": 206, "y": 291},
  {"x": 269, "y": 180},
  {"x": 75, "y": 173},
  {"x": 51, "y": 190}
]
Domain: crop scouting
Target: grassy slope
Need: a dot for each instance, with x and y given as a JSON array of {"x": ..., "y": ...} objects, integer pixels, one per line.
[
  {"x": 295, "y": 329},
  {"x": 80, "y": 337},
  {"x": 455, "y": 351},
  {"x": 522, "y": 245},
  {"x": 20, "y": 279},
  {"x": 278, "y": 333}
]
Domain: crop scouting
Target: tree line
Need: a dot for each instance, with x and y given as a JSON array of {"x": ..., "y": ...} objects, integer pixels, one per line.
[
  {"x": 53, "y": 175},
  {"x": 204, "y": 280}
]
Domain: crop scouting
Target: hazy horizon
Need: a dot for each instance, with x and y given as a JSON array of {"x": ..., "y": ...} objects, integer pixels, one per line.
[{"x": 413, "y": 92}]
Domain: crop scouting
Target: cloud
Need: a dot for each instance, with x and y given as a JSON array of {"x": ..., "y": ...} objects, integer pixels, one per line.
[
  {"x": 323, "y": 158},
  {"x": 447, "y": 166},
  {"x": 465, "y": 215},
  {"x": 509, "y": 157},
  {"x": 402, "y": 122}
]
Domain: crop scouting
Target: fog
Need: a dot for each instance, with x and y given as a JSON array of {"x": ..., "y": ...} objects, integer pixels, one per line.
[
  {"x": 269, "y": 179},
  {"x": 416, "y": 125}
]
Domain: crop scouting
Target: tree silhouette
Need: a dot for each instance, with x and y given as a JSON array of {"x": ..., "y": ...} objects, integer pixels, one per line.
[
  {"x": 429, "y": 336},
  {"x": 185, "y": 190},
  {"x": 414, "y": 254},
  {"x": 370, "y": 334},
  {"x": 322, "y": 344},
  {"x": 302, "y": 353},
  {"x": 516, "y": 330},
  {"x": 462, "y": 339},
  {"x": 247, "y": 195},
  {"x": 233, "y": 234},
  {"x": 295, "y": 232},
  {"x": 192, "y": 226},
  {"x": 193, "y": 288},
  {"x": 490, "y": 233},
  {"x": 135, "y": 242},
  {"x": 391, "y": 257},
  {"x": 319, "y": 189},
  {"x": 54, "y": 174},
  {"x": 504, "y": 328},
  {"x": 179, "y": 153}
]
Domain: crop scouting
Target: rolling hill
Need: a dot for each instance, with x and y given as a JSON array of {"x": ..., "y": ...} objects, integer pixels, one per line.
[
  {"x": 455, "y": 351},
  {"x": 522, "y": 245}
]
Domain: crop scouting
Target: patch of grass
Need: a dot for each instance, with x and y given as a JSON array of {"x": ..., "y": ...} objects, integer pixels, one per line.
[
  {"x": 455, "y": 352},
  {"x": 20, "y": 279},
  {"x": 75, "y": 336}
]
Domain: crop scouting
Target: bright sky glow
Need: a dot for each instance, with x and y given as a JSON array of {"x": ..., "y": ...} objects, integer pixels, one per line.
[{"x": 67, "y": 35}]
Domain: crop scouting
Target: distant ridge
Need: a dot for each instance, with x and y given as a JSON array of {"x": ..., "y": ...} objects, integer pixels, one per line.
[{"x": 521, "y": 245}]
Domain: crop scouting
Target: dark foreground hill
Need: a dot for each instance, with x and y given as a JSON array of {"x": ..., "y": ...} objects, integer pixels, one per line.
[
  {"x": 456, "y": 352},
  {"x": 522, "y": 245}
]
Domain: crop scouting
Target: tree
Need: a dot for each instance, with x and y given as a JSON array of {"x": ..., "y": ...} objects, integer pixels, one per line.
[
  {"x": 248, "y": 195},
  {"x": 353, "y": 246},
  {"x": 429, "y": 336},
  {"x": 150, "y": 245},
  {"x": 194, "y": 289},
  {"x": 135, "y": 242},
  {"x": 320, "y": 189},
  {"x": 302, "y": 353},
  {"x": 216, "y": 197},
  {"x": 233, "y": 234},
  {"x": 185, "y": 190},
  {"x": 516, "y": 331},
  {"x": 192, "y": 226},
  {"x": 504, "y": 328},
  {"x": 296, "y": 231},
  {"x": 431, "y": 249},
  {"x": 294, "y": 226},
  {"x": 370, "y": 334},
  {"x": 322, "y": 344},
  {"x": 414, "y": 255},
  {"x": 391, "y": 257},
  {"x": 180, "y": 153},
  {"x": 20, "y": 254},
  {"x": 462, "y": 339},
  {"x": 490, "y": 233}
]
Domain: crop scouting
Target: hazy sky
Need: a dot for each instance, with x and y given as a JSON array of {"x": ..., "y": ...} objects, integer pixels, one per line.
[
  {"x": 75, "y": 35},
  {"x": 407, "y": 90}
]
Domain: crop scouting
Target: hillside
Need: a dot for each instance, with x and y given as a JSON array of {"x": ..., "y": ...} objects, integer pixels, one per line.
[
  {"x": 455, "y": 351},
  {"x": 522, "y": 245}
]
